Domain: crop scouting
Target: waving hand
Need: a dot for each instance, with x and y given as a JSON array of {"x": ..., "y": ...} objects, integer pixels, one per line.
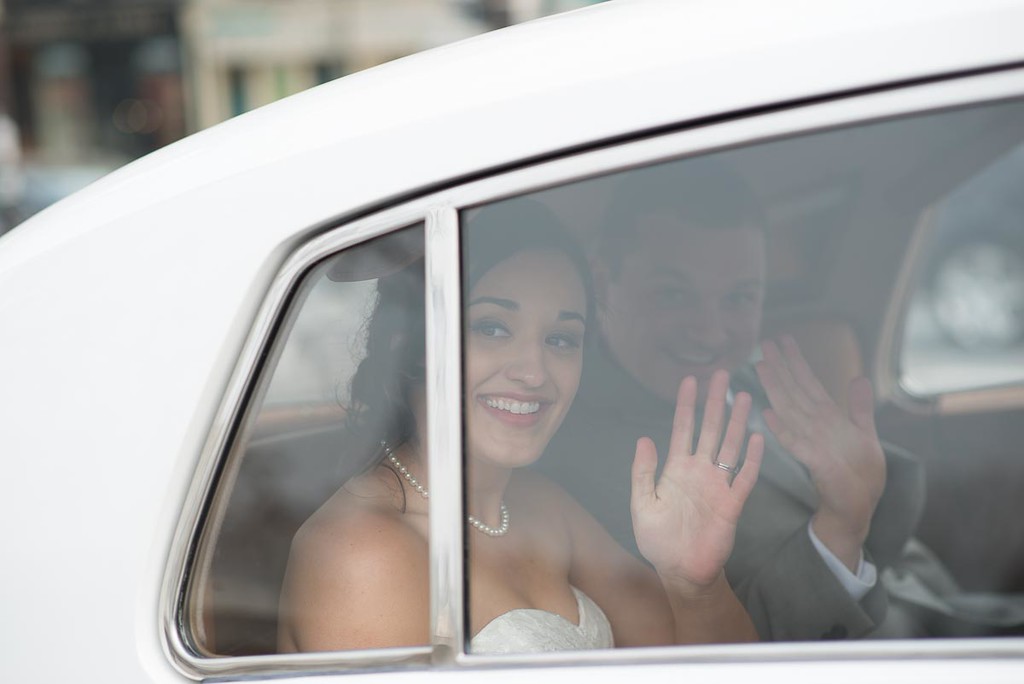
[
  {"x": 840, "y": 448},
  {"x": 685, "y": 521}
]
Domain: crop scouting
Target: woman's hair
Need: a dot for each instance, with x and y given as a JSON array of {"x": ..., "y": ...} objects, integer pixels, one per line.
[
  {"x": 383, "y": 387},
  {"x": 496, "y": 232},
  {"x": 393, "y": 372}
]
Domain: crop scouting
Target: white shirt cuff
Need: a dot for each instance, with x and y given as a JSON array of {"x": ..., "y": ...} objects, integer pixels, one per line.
[{"x": 856, "y": 585}]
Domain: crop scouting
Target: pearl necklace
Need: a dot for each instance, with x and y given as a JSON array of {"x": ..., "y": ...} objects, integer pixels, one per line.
[{"x": 500, "y": 531}]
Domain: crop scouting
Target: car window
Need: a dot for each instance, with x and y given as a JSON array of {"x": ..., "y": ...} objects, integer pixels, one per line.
[
  {"x": 776, "y": 264},
  {"x": 965, "y": 327},
  {"x": 585, "y": 306},
  {"x": 309, "y": 446}
]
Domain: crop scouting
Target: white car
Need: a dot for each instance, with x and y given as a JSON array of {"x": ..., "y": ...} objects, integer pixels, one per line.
[{"x": 177, "y": 340}]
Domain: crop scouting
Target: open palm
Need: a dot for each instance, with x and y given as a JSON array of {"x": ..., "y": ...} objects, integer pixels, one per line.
[
  {"x": 840, "y": 448},
  {"x": 685, "y": 521}
]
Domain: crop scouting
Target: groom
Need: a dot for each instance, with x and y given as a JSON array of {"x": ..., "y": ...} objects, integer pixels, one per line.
[{"x": 679, "y": 285}]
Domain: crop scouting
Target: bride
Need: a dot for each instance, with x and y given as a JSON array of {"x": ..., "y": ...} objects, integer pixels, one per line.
[{"x": 542, "y": 573}]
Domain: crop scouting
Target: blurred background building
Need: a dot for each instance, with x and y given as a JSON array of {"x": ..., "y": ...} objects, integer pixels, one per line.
[{"x": 88, "y": 85}]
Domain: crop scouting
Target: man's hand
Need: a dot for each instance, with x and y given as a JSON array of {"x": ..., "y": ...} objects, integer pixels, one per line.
[
  {"x": 842, "y": 452},
  {"x": 685, "y": 523}
]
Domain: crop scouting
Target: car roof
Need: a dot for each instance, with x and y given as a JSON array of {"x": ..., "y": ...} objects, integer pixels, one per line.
[{"x": 569, "y": 80}]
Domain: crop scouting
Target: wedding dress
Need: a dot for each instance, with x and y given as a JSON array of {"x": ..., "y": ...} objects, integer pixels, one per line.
[{"x": 529, "y": 630}]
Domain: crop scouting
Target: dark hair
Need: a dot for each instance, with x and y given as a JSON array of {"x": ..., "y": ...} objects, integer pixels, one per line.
[
  {"x": 703, "y": 192},
  {"x": 496, "y": 232},
  {"x": 383, "y": 387}
]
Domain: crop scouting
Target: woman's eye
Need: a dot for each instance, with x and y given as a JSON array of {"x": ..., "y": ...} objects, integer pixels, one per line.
[
  {"x": 562, "y": 341},
  {"x": 743, "y": 299},
  {"x": 490, "y": 329},
  {"x": 666, "y": 297}
]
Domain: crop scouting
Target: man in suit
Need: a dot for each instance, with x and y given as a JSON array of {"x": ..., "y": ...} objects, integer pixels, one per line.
[{"x": 679, "y": 284}]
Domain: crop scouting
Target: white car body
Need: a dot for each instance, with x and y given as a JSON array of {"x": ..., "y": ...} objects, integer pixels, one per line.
[{"x": 127, "y": 308}]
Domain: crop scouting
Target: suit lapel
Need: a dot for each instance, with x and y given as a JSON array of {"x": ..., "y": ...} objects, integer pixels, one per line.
[{"x": 779, "y": 467}]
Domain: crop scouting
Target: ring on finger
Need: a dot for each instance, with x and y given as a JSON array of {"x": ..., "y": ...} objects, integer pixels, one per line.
[{"x": 727, "y": 468}]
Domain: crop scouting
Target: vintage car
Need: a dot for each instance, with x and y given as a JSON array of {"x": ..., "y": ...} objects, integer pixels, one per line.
[{"x": 178, "y": 339}]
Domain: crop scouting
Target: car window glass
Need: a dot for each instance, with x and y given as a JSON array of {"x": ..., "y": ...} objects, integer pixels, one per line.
[
  {"x": 965, "y": 326},
  {"x": 777, "y": 264},
  {"x": 291, "y": 507}
]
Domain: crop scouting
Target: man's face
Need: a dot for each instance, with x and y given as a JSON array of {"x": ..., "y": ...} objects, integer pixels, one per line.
[{"x": 686, "y": 301}]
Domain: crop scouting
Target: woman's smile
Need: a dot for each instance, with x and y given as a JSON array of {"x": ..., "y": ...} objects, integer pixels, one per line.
[
  {"x": 514, "y": 406},
  {"x": 515, "y": 412}
]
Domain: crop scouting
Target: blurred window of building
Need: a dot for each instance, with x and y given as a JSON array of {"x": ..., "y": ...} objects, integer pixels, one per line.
[
  {"x": 267, "y": 49},
  {"x": 90, "y": 86},
  {"x": 94, "y": 84}
]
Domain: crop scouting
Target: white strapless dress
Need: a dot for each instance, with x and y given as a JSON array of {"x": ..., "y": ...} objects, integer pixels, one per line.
[{"x": 529, "y": 630}]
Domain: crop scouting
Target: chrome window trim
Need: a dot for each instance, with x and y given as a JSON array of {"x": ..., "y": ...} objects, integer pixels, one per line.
[
  {"x": 439, "y": 210},
  {"x": 444, "y": 432}
]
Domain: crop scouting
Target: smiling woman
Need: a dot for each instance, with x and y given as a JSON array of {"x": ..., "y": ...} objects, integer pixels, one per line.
[
  {"x": 543, "y": 574},
  {"x": 528, "y": 304}
]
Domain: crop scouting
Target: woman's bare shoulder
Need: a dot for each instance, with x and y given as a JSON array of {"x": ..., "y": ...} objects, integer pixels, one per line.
[
  {"x": 352, "y": 557},
  {"x": 366, "y": 521}
]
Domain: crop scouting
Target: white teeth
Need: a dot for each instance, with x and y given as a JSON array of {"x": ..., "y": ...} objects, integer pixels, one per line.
[{"x": 513, "y": 406}]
